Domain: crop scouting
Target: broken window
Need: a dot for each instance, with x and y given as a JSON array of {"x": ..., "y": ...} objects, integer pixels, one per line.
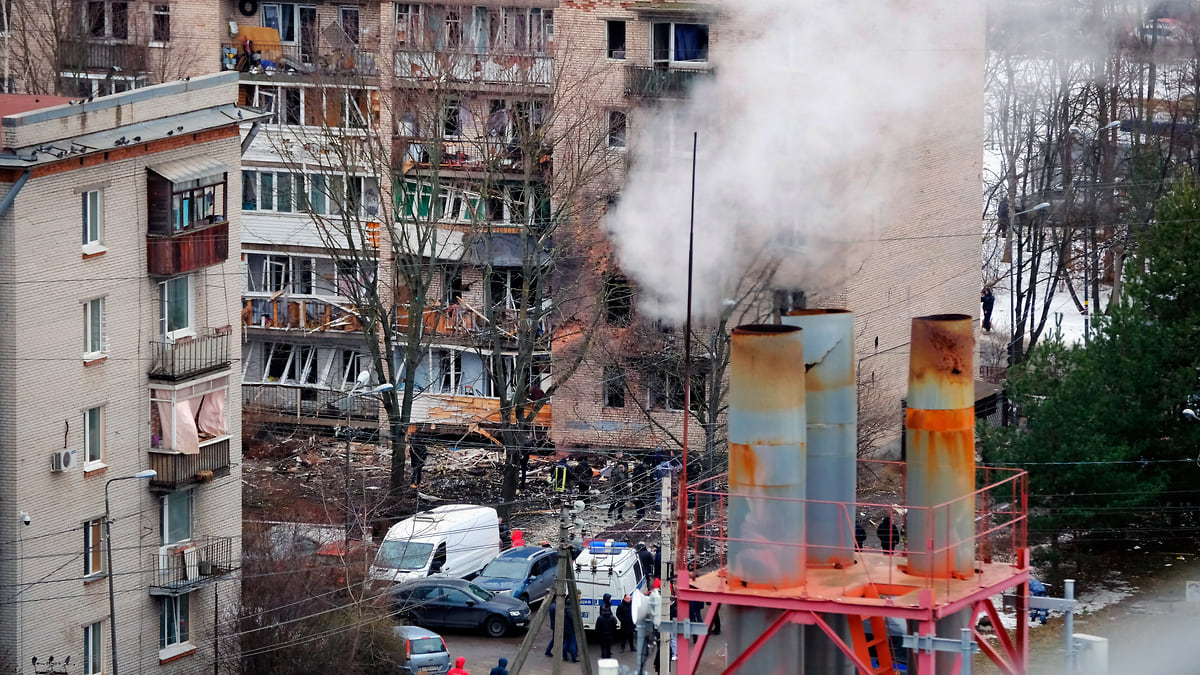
[
  {"x": 452, "y": 284},
  {"x": 453, "y": 29},
  {"x": 618, "y": 300},
  {"x": 449, "y": 370},
  {"x": 162, "y": 23},
  {"x": 614, "y": 387},
  {"x": 348, "y": 18},
  {"x": 504, "y": 288},
  {"x": 450, "y": 119},
  {"x": 616, "y": 39},
  {"x": 617, "y": 127},
  {"x": 408, "y": 25},
  {"x": 182, "y": 420},
  {"x": 665, "y": 391},
  {"x": 107, "y": 19}
]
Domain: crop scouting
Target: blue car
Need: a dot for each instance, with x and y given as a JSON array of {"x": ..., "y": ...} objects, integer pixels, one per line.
[{"x": 526, "y": 573}]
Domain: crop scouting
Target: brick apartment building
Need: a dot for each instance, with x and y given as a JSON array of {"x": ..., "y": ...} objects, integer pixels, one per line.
[{"x": 119, "y": 208}]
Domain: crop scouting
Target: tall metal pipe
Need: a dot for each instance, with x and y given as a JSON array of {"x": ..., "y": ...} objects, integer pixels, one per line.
[
  {"x": 767, "y": 462},
  {"x": 940, "y": 425},
  {"x": 831, "y": 409},
  {"x": 940, "y": 477}
]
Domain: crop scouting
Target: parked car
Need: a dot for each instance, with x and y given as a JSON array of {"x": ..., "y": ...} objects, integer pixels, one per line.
[
  {"x": 454, "y": 540},
  {"x": 424, "y": 651},
  {"x": 434, "y": 602},
  {"x": 526, "y": 573}
]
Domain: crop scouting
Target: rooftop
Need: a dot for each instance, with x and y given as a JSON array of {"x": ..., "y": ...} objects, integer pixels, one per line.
[{"x": 15, "y": 104}]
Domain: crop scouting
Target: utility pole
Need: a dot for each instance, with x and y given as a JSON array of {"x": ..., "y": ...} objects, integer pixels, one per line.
[{"x": 564, "y": 583}]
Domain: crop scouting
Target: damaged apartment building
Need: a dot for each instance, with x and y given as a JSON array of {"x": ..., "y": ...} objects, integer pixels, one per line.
[{"x": 453, "y": 134}]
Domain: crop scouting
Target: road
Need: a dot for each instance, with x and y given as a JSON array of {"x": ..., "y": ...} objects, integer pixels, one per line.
[{"x": 482, "y": 653}]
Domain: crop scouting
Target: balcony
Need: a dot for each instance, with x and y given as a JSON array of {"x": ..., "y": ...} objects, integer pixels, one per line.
[
  {"x": 323, "y": 407},
  {"x": 463, "y": 323},
  {"x": 177, "y": 470},
  {"x": 643, "y": 81},
  {"x": 182, "y": 568},
  {"x": 176, "y": 360},
  {"x": 322, "y": 58},
  {"x": 508, "y": 70},
  {"x": 187, "y": 250},
  {"x": 84, "y": 55},
  {"x": 307, "y": 314}
]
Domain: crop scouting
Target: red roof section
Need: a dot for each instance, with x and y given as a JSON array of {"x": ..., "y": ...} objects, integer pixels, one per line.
[{"x": 13, "y": 104}]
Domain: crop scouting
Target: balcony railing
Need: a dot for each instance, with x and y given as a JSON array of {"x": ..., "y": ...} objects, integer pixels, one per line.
[
  {"x": 175, "y": 360},
  {"x": 311, "y": 402},
  {"x": 469, "y": 324},
  {"x": 191, "y": 249},
  {"x": 510, "y": 70},
  {"x": 177, "y": 470},
  {"x": 184, "y": 567},
  {"x": 309, "y": 314},
  {"x": 321, "y": 57},
  {"x": 101, "y": 55},
  {"x": 662, "y": 82}
]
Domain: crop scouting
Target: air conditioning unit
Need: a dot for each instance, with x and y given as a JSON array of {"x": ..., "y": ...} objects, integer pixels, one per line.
[{"x": 62, "y": 460}]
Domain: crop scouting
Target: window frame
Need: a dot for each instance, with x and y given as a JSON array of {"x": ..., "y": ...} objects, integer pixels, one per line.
[
  {"x": 164, "y": 308},
  {"x": 93, "y": 439},
  {"x": 197, "y": 203},
  {"x": 167, "y": 506},
  {"x": 95, "y": 328},
  {"x": 411, "y": 18},
  {"x": 93, "y": 648},
  {"x": 613, "y": 392},
  {"x": 617, "y": 137},
  {"x": 92, "y": 219},
  {"x": 93, "y": 548},
  {"x": 160, "y": 11},
  {"x": 616, "y": 54},
  {"x": 178, "y": 639},
  {"x": 671, "y": 61},
  {"x": 108, "y": 29}
]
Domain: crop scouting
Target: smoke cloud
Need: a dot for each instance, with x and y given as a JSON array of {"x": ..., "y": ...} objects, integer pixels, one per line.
[{"x": 807, "y": 138}]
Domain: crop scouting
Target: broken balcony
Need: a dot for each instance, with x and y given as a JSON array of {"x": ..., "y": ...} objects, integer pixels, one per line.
[
  {"x": 509, "y": 70},
  {"x": 182, "y": 568},
  {"x": 183, "y": 358},
  {"x": 308, "y": 314},
  {"x": 179, "y": 470},
  {"x": 648, "y": 82},
  {"x": 89, "y": 55}
]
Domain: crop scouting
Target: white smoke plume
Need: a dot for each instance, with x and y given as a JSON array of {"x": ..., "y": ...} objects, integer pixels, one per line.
[{"x": 807, "y": 135}]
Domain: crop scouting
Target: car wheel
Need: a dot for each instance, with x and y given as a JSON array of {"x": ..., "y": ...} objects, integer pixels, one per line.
[{"x": 495, "y": 626}]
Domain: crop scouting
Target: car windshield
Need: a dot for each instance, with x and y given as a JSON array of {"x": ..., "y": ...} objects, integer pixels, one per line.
[
  {"x": 505, "y": 569},
  {"x": 429, "y": 645},
  {"x": 403, "y": 555},
  {"x": 479, "y": 592}
]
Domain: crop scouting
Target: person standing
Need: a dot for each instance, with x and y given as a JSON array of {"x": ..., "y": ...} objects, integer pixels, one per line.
[
  {"x": 989, "y": 301},
  {"x": 606, "y": 626},
  {"x": 459, "y": 667},
  {"x": 570, "y": 645},
  {"x": 889, "y": 535},
  {"x": 619, "y": 489},
  {"x": 417, "y": 452},
  {"x": 626, "y": 630},
  {"x": 501, "y": 669},
  {"x": 646, "y": 560}
]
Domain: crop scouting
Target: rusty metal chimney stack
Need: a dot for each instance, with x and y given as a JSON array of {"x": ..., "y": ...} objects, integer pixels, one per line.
[
  {"x": 940, "y": 477},
  {"x": 767, "y": 461},
  {"x": 831, "y": 410}
]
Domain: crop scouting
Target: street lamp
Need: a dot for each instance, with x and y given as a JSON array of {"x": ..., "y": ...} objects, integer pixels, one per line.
[
  {"x": 363, "y": 378},
  {"x": 112, "y": 595}
]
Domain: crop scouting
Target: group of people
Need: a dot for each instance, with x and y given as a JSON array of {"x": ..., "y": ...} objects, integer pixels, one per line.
[{"x": 889, "y": 533}]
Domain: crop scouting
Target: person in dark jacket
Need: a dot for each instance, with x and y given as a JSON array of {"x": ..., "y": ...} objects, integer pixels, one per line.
[
  {"x": 501, "y": 669},
  {"x": 418, "y": 450},
  {"x": 989, "y": 301},
  {"x": 860, "y": 533},
  {"x": 606, "y": 627},
  {"x": 646, "y": 560},
  {"x": 570, "y": 645},
  {"x": 553, "y": 621},
  {"x": 626, "y": 631},
  {"x": 889, "y": 534}
]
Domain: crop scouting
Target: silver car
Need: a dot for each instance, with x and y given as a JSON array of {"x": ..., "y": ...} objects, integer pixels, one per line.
[{"x": 421, "y": 651}]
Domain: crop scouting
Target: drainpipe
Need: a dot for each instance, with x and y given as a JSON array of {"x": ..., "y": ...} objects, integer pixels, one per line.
[
  {"x": 12, "y": 192},
  {"x": 767, "y": 462},
  {"x": 831, "y": 408}
]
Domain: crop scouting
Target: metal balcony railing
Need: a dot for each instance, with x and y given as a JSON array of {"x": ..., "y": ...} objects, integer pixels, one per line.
[
  {"x": 510, "y": 70},
  {"x": 180, "y": 359},
  {"x": 662, "y": 82},
  {"x": 104, "y": 55},
  {"x": 308, "y": 314},
  {"x": 300, "y": 401},
  {"x": 184, "y": 567},
  {"x": 177, "y": 470}
]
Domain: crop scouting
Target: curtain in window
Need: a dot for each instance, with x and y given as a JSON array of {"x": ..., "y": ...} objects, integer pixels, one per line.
[
  {"x": 185, "y": 437},
  {"x": 212, "y": 419},
  {"x": 691, "y": 42}
]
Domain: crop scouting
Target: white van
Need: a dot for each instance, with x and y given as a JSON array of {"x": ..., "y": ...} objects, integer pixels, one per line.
[
  {"x": 605, "y": 567},
  {"x": 455, "y": 540}
]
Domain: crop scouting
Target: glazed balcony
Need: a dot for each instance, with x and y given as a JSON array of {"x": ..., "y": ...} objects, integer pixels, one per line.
[
  {"x": 188, "y": 250},
  {"x": 183, "y": 358}
]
